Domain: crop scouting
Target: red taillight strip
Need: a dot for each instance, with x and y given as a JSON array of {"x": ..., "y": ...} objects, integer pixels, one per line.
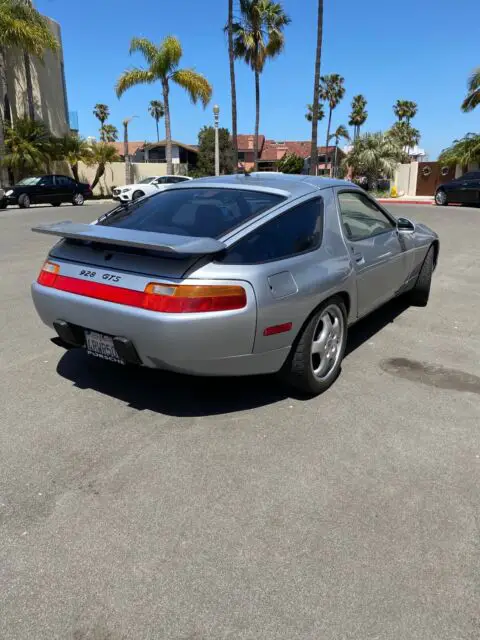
[{"x": 140, "y": 299}]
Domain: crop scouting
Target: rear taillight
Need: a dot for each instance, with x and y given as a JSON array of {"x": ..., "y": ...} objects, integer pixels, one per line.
[
  {"x": 48, "y": 274},
  {"x": 165, "y": 298},
  {"x": 194, "y": 298}
]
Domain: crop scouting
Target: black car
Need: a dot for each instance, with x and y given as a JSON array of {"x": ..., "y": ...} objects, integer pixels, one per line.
[
  {"x": 464, "y": 190},
  {"x": 51, "y": 189}
]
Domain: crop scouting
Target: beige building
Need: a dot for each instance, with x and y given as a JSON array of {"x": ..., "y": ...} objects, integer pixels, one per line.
[{"x": 46, "y": 79}]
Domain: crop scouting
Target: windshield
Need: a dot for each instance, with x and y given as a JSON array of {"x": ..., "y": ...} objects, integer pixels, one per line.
[
  {"x": 29, "y": 181},
  {"x": 200, "y": 212},
  {"x": 147, "y": 180}
]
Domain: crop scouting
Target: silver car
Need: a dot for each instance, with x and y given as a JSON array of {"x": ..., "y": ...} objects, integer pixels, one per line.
[{"x": 230, "y": 276}]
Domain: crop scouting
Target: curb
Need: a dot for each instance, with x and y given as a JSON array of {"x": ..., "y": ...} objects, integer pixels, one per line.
[{"x": 399, "y": 201}]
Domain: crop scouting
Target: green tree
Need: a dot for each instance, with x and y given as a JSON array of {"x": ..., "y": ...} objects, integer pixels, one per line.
[
  {"x": 74, "y": 149},
  {"x": 374, "y": 155},
  {"x": 23, "y": 27},
  {"x": 206, "y": 152},
  {"x": 29, "y": 147},
  {"x": 331, "y": 92},
  {"x": 462, "y": 152},
  {"x": 157, "y": 111},
  {"x": 102, "y": 155},
  {"x": 291, "y": 163},
  {"x": 259, "y": 36},
  {"x": 320, "y": 114},
  {"x": 473, "y": 96},
  {"x": 110, "y": 133},
  {"x": 404, "y": 134},
  {"x": 102, "y": 113},
  {"x": 316, "y": 93},
  {"x": 233, "y": 88},
  {"x": 163, "y": 61},
  {"x": 405, "y": 110},
  {"x": 339, "y": 133},
  {"x": 358, "y": 115}
]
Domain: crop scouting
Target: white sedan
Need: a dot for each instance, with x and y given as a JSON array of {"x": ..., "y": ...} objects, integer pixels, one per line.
[{"x": 146, "y": 187}]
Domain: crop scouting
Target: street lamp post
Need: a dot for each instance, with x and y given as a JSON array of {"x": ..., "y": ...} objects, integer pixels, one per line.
[{"x": 216, "y": 113}]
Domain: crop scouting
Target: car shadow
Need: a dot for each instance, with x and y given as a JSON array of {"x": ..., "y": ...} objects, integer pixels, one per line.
[{"x": 181, "y": 395}]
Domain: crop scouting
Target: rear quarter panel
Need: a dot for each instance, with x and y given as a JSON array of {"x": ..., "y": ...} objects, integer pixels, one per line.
[{"x": 308, "y": 279}]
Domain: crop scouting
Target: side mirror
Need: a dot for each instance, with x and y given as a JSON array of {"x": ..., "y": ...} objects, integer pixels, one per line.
[{"x": 404, "y": 224}]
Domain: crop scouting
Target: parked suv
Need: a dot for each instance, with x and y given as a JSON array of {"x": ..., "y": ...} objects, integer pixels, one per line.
[{"x": 49, "y": 189}]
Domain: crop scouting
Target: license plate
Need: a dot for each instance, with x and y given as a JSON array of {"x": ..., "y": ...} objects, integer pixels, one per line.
[{"x": 101, "y": 346}]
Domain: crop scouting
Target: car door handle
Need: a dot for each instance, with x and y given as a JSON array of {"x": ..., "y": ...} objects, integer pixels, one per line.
[{"x": 358, "y": 257}]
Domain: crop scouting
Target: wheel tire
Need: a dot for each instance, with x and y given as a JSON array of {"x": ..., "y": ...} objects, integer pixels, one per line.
[
  {"x": 78, "y": 200},
  {"x": 24, "y": 201},
  {"x": 55, "y": 204},
  {"x": 421, "y": 291},
  {"x": 137, "y": 194},
  {"x": 441, "y": 199},
  {"x": 3, "y": 203},
  {"x": 298, "y": 371}
]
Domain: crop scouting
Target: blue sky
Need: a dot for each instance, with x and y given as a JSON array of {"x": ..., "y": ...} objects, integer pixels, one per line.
[{"x": 415, "y": 50}]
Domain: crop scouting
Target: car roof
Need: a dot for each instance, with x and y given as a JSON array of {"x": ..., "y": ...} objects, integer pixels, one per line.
[{"x": 293, "y": 185}]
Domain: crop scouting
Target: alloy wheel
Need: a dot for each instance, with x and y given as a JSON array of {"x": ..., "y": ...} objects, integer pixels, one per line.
[{"x": 327, "y": 342}]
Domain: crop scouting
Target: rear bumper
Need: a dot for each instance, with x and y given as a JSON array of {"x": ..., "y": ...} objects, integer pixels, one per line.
[{"x": 216, "y": 344}]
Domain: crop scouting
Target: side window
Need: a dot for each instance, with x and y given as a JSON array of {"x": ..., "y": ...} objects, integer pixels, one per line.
[
  {"x": 63, "y": 181},
  {"x": 46, "y": 181},
  {"x": 298, "y": 230},
  {"x": 361, "y": 217}
]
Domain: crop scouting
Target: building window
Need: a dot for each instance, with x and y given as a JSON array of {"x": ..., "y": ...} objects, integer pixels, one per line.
[{"x": 241, "y": 156}]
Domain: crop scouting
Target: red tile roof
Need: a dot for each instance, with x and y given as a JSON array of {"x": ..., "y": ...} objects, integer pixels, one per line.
[
  {"x": 245, "y": 142},
  {"x": 132, "y": 147},
  {"x": 274, "y": 150}
]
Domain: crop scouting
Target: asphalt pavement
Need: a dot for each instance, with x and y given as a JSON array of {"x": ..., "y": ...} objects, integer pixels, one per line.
[{"x": 141, "y": 505}]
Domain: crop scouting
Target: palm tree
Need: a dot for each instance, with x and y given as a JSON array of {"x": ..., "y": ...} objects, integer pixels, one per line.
[
  {"x": 21, "y": 26},
  {"x": 320, "y": 113},
  {"x": 233, "y": 88},
  {"x": 405, "y": 109},
  {"x": 256, "y": 37},
  {"x": 358, "y": 114},
  {"x": 374, "y": 155},
  {"x": 110, "y": 133},
  {"x": 126, "y": 151},
  {"x": 157, "y": 111},
  {"x": 102, "y": 154},
  {"x": 462, "y": 152},
  {"x": 316, "y": 93},
  {"x": 101, "y": 112},
  {"x": 331, "y": 91},
  {"x": 29, "y": 147},
  {"x": 340, "y": 132},
  {"x": 74, "y": 149},
  {"x": 404, "y": 134},
  {"x": 473, "y": 97},
  {"x": 163, "y": 64}
]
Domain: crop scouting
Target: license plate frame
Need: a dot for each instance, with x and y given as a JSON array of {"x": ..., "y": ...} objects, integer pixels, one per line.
[{"x": 100, "y": 345}]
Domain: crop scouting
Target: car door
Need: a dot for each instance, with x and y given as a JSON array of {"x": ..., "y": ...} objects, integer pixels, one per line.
[
  {"x": 471, "y": 188},
  {"x": 65, "y": 188},
  {"x": 378, "y": 254},
  {"x": 45, "y": 190}
]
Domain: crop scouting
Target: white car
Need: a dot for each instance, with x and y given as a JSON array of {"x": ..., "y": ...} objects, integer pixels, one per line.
[{"x": 146, "y": 187}]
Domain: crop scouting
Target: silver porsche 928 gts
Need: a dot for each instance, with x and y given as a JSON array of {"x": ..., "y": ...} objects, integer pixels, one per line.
[{"x": 237, "y": 275}]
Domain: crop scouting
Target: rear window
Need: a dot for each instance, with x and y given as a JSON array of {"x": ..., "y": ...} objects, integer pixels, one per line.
[{"x": 199, "y": 212}]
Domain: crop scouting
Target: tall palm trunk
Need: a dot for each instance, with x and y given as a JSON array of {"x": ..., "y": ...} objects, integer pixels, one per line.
[
  {"x": 74, "y": 168},
  {"x": 28, "y": 81},
  {"x": 316, "y": 83},
  {"x": 126, "y": 154},
  {"x": 168, "y": 131},
  {"x": 3, "y": 116},
  {"x": 335, "y": 159},
  {"x": 328, "y": 137},
  {"x": 158, "y": 135},
  {"x": 257, "y": 117},
  {"x": 233, "y": 89}
]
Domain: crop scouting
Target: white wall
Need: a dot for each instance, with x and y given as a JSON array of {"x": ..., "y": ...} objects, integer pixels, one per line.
[{"x": 405, "y": 178}]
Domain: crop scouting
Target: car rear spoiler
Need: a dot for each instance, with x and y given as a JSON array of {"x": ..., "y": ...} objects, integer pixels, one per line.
[{"x": 165, "y": 242}]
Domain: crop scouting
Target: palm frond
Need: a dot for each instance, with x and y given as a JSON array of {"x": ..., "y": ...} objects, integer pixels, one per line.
[
  {"x": 196, "y": 85},
  {"x": 168, "y": 58},
  {"x": 21, "y": 25},
  {"x": 473, "y": 97},
  {"x": 132, "y": 78},
  {"x": 145, "y": 47}
]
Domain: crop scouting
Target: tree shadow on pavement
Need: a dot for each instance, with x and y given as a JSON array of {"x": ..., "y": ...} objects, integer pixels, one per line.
[{"x": 189, "y": 396}]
